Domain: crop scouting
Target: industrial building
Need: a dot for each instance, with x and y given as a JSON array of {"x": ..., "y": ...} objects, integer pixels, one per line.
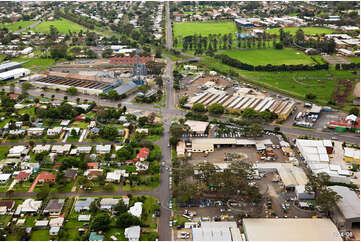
[
  {"x": 290, "y": 229},
  {"x": 347, "y": 214},
  {"x": 9, "y": 65},
  {"x": 217, "y": 231},
  {"x": 14, "y": 74},
  {"x": 352, "y": 155},
  {"x": 126, "y": 88},
  {"x": 242, "y": 100},
  {"x": 314, "y": 151}
]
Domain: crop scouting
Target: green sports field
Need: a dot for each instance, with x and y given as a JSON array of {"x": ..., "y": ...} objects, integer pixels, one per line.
[
  {"x": 16, "y": 25},
  {"x": 62, "y": 25},
  {"x": 36, "y": 64},
  {"x": 286, "y": 56},
  {"x": 203, "y": 28},
  {"x": 306, "y": 30}
]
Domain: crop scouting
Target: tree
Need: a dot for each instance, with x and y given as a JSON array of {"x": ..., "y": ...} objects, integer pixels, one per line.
[
  {"x": 198, "y": 107},
  {"x": 126, "y": 220},
  {"x": 107, "y": 53},
  {"x": 173, "y": 141},
  {"x": 120, "y": 207},
  {"x": 113, "y": 95},
  {"x": 279, "y": 46},
  {"x": 177, "y": 130},
  {"x": 101, "y": 222},
  {"x": 216, "y": 109},
  {"x": 249, "y": 114},
  {"x": 25, "y": 86},
  {"x": 44, "y": 192},
  {"x": 355, "y": 111},
  {"x": 310, "y": 96},
  {"x": 72, "y": 91},
  {"x": 183, "y": 100},
  {"x": 327, "y": 199},
  {"x": 108, "y": 132}
]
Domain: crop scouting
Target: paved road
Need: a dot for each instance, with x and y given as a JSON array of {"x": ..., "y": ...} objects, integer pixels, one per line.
[{"x": 28, "y": 27}]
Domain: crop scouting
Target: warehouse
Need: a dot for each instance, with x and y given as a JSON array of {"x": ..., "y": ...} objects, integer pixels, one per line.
[
  {"x": 290, "y": 229},
  {"x": 313, "y": 151},
  {"x": 126, "y": 89},
  {"x": 7, "y": 66},
  {"x": 14, "y": 74},
  {"x": 217, "y": 231},
  {"x": 85, "y": 86},
  {"x": 347, "y": 214}
]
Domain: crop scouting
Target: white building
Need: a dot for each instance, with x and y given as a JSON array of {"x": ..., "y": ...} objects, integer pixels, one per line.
[
  {"x": 14, "y": 74},
  {"x": 132, "y": 233},
  {"x": 108, "y": 203},
  {"x": 18, "y": 151},
  {"x": 61, "y": 149},
  {"x": 102, "y": 149},
  {"x": 4, "y": 178},
  {"x": 28, "y": 206},
  {"x": 54, "y": 131},
  {"x": 217, "y": 231},
  {"x": 41, "y": 148},
  {"x": 136, "y": 209},
  {"x": 313, "y": 151}
]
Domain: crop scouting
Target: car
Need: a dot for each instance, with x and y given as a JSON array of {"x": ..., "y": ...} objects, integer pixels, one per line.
[
  {"x": 170, "y": 224},
  {"x": 168, "y": 145},
  {"x": 334, "y": 138}
]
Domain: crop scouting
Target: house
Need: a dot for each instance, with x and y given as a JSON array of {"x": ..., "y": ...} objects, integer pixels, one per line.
[
  {"x": 4, "y": 178},
  {"x": 70, "y": 174},
  {"x": 132, "y": 233},
  {"x": 30, "y": 165},
  {"x": 61, "y": 149},
  {"x": 54, "y": 231},
  {"x": 102, "y": 149},
  {"x": 93, "y": 173},
  {"x": 96, "y": 237},
  {"x": 92, "y": 165},
  {"x": 83, "y": 204},
  {"x": 56, "y": 222},
  {"x": 54, "y": 207},
  {"x": 113, "y": 177},
  {"x": 46, "y": 177},
  {"x": 108, "y": 203},
  {"x": 41, "y": 148},
  {"x": 136, "y": 209},
  {"x": 181, "y": 149},
  {"x": 141, "y": 166},
  {"x": 18, "y": 151},
  {"x": 84, "y": 149},
  {"x": 23, "y": 175},
  {"x": 28, "y": 206},
  {"x": 65, "y": 123},
  {"x": 142, "y": 131},
  {"x": 54, "y": 131},
  {"x": 143, "y": 154},
  {"x": 35, "y": 131},
  {"x": 197, "y": 127},
  {"x": 6, "y": 206},
  {"x": 84, "y": 218}
]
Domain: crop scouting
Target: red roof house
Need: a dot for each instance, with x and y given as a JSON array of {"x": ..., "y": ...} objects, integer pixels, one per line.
[
  {"x": 14, "y": 96},
  {"x": 143, "y": 154},
  {"x": 92, "y": 165},
  {"x": 22, "y": 176},
  {"x": 46, "y": 177},
  {"x": 79, "y": 117}
]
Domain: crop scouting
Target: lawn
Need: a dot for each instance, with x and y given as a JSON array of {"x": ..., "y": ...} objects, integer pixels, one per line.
[
  {"x": 3, "y": 151},
  {"x": 286, "y": 56},
  {"x": 148, "y": 187},
  {"x": 354, "y": 59},
  {"x": 63, "y": 26},
  {"x": 40, "y": 235},
  {"x": 16, "y": 25},
  {"x": 321, "y": 83},
  {"x": 36, "y": 64},
  {"x": 203, "y": 28},
  {"x": 306, "y": 30},
  {"x": 80, "y": 124}
]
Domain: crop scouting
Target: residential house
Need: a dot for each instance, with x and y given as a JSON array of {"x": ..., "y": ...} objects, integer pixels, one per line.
[
  {"x": 93, "y": 165},
  {"x": 4, "y": 178},
  {"x": 56, "y": 222},
  {"x": 61, "y": 149},
  {"x": 70, "y": 174},
  {"x": 23, "y": 175},
  {"x": 65, "y": 123},
  {"x": 18, "y": 151},
  {"x": 84, "y": 149},
  {"x": 53, "y": 231},
  {"x": 42, "y": 224},
  {"x": 46, "y": 177},
  {"x": 54, "y": 207},
  {"x": 41, "y": 148},
  {"x": 83, "y": 204},
  {"x": 84, "y": 218},
  {"x": 108, "y": 203},
  {"x": 93, "y": 173},
  {"x": 35, "y": 131},
  {"x": 113, "y": 177},
  {"x": 136, "y": 209},
  {"x": 30, "y": 165},
  {"x": 143, "y": 154},
  {"x": 141, "y": 166},
  {"x": 6, "y": 206},
  {"x": 54, "y": 131},
  {"x": 132, "y": 233},
  {"x": 29, "y": 206},
  {"x": 142, "y": 131},
  {"x": 102, "y": 149}
]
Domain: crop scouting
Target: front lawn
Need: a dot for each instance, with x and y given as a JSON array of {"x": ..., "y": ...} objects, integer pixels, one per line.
[{"x": 287, "y": 56}]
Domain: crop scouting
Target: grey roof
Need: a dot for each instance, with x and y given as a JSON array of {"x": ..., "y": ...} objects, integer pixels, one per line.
[
  {"x": 215, "y": 231},
  {"x": 349, "y": 204},
  {"x": 54, "y": 205},
  {"x": 122, "y": 89},
  {"x": 9, "y": 65},
  {"x": 84, "y": 203}
]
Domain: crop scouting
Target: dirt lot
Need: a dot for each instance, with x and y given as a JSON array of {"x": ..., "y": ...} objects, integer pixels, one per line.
[
  {"x": 335, "y": 60},
  {"x": 356, "y": 91},
  {"x": 193, "y": 88}
]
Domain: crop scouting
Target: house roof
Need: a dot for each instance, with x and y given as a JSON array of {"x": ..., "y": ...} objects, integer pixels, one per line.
[
  {"x": 7, "y": 203},
  {"x": 46, "y": 175},
  {"x": 70, "y": 173},
  {"x": 197, "y": 126},
  {"x": 349, "y": 204},
  {"x": 22, "y": 175},
  {"x": 92, "y": 165},
  {"x": 143, "y": 153},
  {"x": 54, "y": 205}
]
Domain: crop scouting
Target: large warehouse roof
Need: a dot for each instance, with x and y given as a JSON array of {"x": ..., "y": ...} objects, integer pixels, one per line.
[
  {"x": 6, "y": 66},
  {"x": 290, "y": 229},
  {"x": 217, "y": 231},
  {"x": 123, "y": 89},
  {"x": 314, "y": 151},
  {"x": 349, "y": 204}
]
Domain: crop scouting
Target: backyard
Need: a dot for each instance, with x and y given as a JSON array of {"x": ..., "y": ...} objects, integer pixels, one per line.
[{"x": 286, "y": 56}]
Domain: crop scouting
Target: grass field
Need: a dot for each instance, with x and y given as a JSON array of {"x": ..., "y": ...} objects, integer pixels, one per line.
[
  {"x": 203, "y": 28},
  {"x": 16, "y": 25},
  {"x": 320, "y": 83},
  {"x": 354, "y": 59},
  {"x": 36, "y": 64},
  {"x": 306, "y": 30},
  {"x": 269, "y": 56},
  {"x": 62, "y": 25}
]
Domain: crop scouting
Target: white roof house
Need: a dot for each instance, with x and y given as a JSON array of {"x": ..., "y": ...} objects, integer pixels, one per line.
[
  {"x": 29, "y": 206},
  {"x": 42, "y": 223},
  {"x": 352, "y": 153},
  {"x": 4, "y": 178},
  {"x": 41, "y": 148},
  {"x": 197, "y": 126},
  {"x": 103, "y": 149},
  {"x": 113, "y": 177},
  {"x": 84, "y": 149},
  {"x": 54, "y": 131},
  {"x": 17, "y": 151},
  {"x": 65, "y": 123},
  {"x": 84, "y": 217},
  {"x": 136, "y": 209},
  {"x": 290, "y": 229},
  {"x": 61, "y": 149},
  {"x": 132, "y": 233},
  {"x": 56, "y": 222},
  {"x": 314, "y": 151},
  {"x": 108, "y": 203}
]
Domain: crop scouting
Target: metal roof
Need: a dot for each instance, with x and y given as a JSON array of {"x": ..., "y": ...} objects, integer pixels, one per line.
[
  {"x": 349, "y": 204},
  {"x": 122, "y": 89}
]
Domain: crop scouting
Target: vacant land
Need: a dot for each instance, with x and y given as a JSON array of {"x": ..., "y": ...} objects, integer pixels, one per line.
[
  {"x": 297, "y": 84},
  {"x": 306, "y": 30},
  {"x": 286, "y": 56},
  {"x": 203, "y": 28},
  {"x": 16, "y": 25},
  {"x": 63, "y": 26},
  {"x": 36, "y": 64}
]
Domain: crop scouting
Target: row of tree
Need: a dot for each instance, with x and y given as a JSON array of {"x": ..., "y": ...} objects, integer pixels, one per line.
[
  {"x": 351, "y": 66},
  {"x": 225, "y": 59}
]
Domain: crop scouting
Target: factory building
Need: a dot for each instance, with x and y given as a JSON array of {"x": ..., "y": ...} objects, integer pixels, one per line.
[
  {"x": 7, "y": 66},
  {"x": 14, "y": 74}
]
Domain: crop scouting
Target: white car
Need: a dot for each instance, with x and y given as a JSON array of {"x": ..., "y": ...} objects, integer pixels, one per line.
[{"x": 170, "y": 224}]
